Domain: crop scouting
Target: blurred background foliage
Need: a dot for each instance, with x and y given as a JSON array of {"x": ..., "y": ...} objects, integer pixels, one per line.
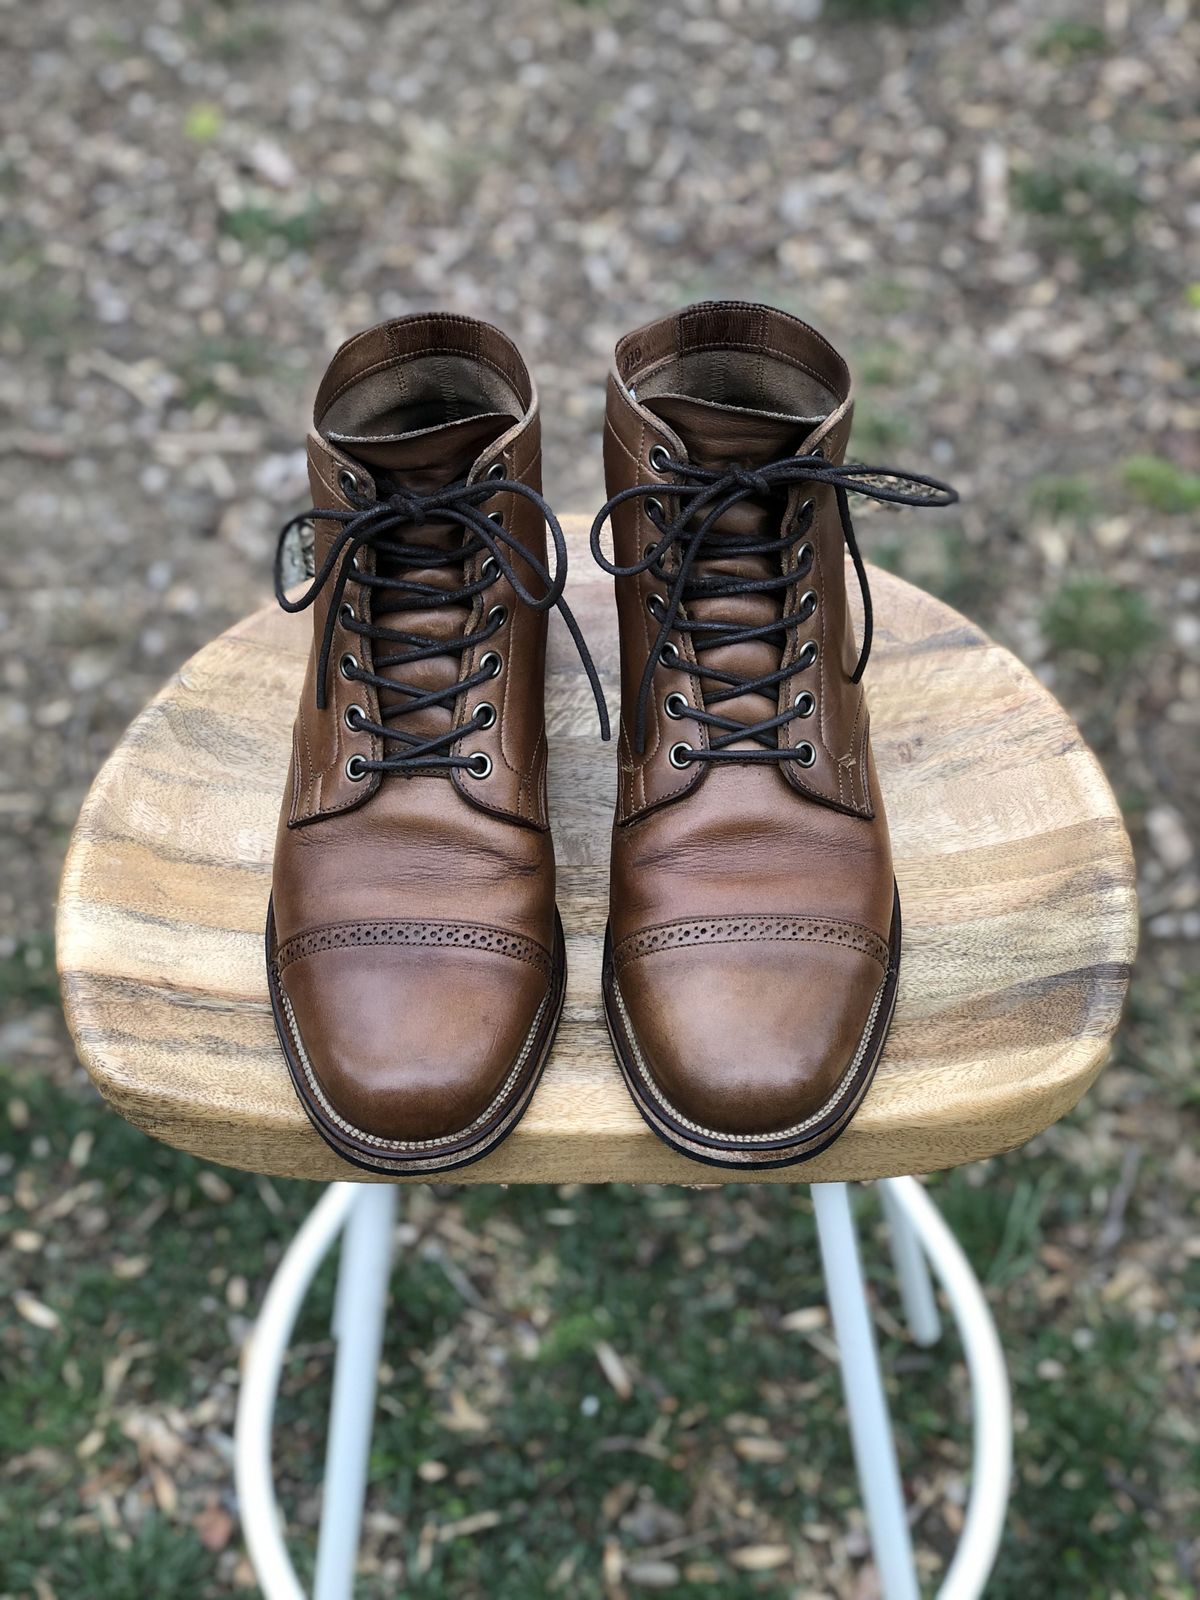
[{"x": 598, "y": 1392}]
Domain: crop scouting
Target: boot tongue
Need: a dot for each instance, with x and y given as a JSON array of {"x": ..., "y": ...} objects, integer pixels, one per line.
[
  {"x": 423, "y": 461},
  {"x": 718, "y": 437},
  {"x": 731, "y": 436},
  {"x": 428, "y": 458}
]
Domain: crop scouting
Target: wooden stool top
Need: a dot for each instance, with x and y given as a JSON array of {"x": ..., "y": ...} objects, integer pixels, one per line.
[{"x": 1014, "y": 868}]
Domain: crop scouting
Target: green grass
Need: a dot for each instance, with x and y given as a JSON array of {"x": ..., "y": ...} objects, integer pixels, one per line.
[
  {"x": 885, "y": 10},
  {"x": 267, "y": 229},
  {"x": 1064, "y": 498},
  {"x": 1069, "y": 40},
  {"x": 1086, "y": 210},
  {"x": 1100, "y": 623},
  {"x": 27, "y": 976},
  {"x": 1161, "y": 485}
]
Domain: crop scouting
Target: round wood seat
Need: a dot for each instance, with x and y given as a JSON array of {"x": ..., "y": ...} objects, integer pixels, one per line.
[{"x": 1014, "y": 869}]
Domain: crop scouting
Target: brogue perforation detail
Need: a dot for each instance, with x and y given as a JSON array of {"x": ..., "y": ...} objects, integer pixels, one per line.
[
  {"x": 763, "y": 929},
  {"x": 446, "y": 935}
]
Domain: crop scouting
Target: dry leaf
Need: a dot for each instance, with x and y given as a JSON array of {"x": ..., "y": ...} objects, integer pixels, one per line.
[
  {"x": 35, "y": 1311},
  {"x": 214, "y": 1186},
  {"x": 614, "y": 1369},
  {"x": 755, "y": 1449},
  {"x": 807, "y": 1320},
  {"x": 462, "y": 1416},
  {"x": 214, "y": 1527},
  {"x": 652, "y": 1574},
  {"x": 479, "y": 1522},
  {"x": 761, "y": 1557}
]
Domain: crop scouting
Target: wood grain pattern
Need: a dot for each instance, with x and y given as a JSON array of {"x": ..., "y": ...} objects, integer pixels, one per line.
[{"x": 1014, "y": 869}]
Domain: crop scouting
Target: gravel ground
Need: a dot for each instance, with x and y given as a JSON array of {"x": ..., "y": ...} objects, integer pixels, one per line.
[{"x": 989, "y": 207}]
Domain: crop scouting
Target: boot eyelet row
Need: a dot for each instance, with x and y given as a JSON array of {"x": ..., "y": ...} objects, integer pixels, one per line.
[
  {"x": 808, "y": 605},
  {"x": 805, "y": 703},
  {"x": 654, "y": 605},
  {"x": 805, "y": 754},
  {"x": 660, "y": 458},
  {"x": 484, "y": 715},
  {"x": 808, "y": 655},
  {"x": 676, "y": 706},
  {"x": 479, "y": 765},
  {"x": 680, "y": 755},
  {"x": 356, "y": 768},
  {"x": 354, "y": 718},
  {"x": 804, "y": 558},
  {"x": 491, "y": 663},
  {"x": 348, "y": 667},
  {"x": 655, "y": 510},
  {"x": 495, "y": 471},
  {"x": 497, "y": 616}
]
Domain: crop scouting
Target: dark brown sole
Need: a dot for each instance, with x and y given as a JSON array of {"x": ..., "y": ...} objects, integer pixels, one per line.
[
  {"x": 767, "y": 1150},
  {"x": 429, "y": 1157}
]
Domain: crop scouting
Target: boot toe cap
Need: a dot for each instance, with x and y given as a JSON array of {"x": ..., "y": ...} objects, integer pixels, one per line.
[
  {"x": 756, "y": 1040},
  {"x": 406, "y": 1048}
]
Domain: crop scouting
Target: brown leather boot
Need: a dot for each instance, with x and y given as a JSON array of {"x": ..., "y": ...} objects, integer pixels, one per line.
[
  {"x": 754, "y": 933},
  {"x": 414, "y": 952}
]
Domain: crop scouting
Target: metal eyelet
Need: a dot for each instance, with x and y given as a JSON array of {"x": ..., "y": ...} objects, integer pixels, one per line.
[
  {"x": 805, "y": 703},
  {"x": 495, "y": 471},
  {"x": 808, "y": 604},
  {"x": 498, "y": 616},
  {"x": 497, "y": 517},
  {"x": 655, "y": 508},
  {"x": 354, "y": 566},
  {"x": 805, "y": 754},
  {"x": 489, "y": 567},
  {"x": 346, "y": 613},
  {"x": 805, "y": 557},
  {"x": 649, "y": 549},
  {"x": 660, "y": 458},
  {"x": 348, "y": 666},
  {"x": 356, "y": 768},
  {"x": 347, "y": 482},
  {"x": 354, "y": 718},
  {"x": 679, "y": 755},
  {"x": 491, "y": 663},
  {"x": 807, "y": 656},
  {"x": 669, "y": 655},
  {"x": 654, "y": 605},
  {"x": 806, "y": 510},
  {"x": 676, "y": 706},
  {"x": 484, "y": 714},
  {"x": 479, "y": 765}
]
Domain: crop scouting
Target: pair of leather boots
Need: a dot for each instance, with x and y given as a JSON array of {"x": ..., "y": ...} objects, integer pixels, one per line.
[{"x": 415, "y": 956}]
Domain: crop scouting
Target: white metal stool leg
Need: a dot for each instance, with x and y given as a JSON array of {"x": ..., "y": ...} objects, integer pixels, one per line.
[
  {"x": 866, "y": 1405},
  {"x": 253, "y": 1474},
  {"x": 991, "y": 1402},
  {"x": 360, "y": 1310},
  {"x": 921, "y": 1239},
  {"x": 912, "y": 1273}
]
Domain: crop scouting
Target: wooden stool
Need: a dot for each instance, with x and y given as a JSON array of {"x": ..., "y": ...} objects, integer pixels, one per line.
[{"x": 1017, "y": 883}]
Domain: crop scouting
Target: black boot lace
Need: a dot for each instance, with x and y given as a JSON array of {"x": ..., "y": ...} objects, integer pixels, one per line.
[
  {"x": 703, "y": 495},
  {"x": 378, "y": 526}
]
